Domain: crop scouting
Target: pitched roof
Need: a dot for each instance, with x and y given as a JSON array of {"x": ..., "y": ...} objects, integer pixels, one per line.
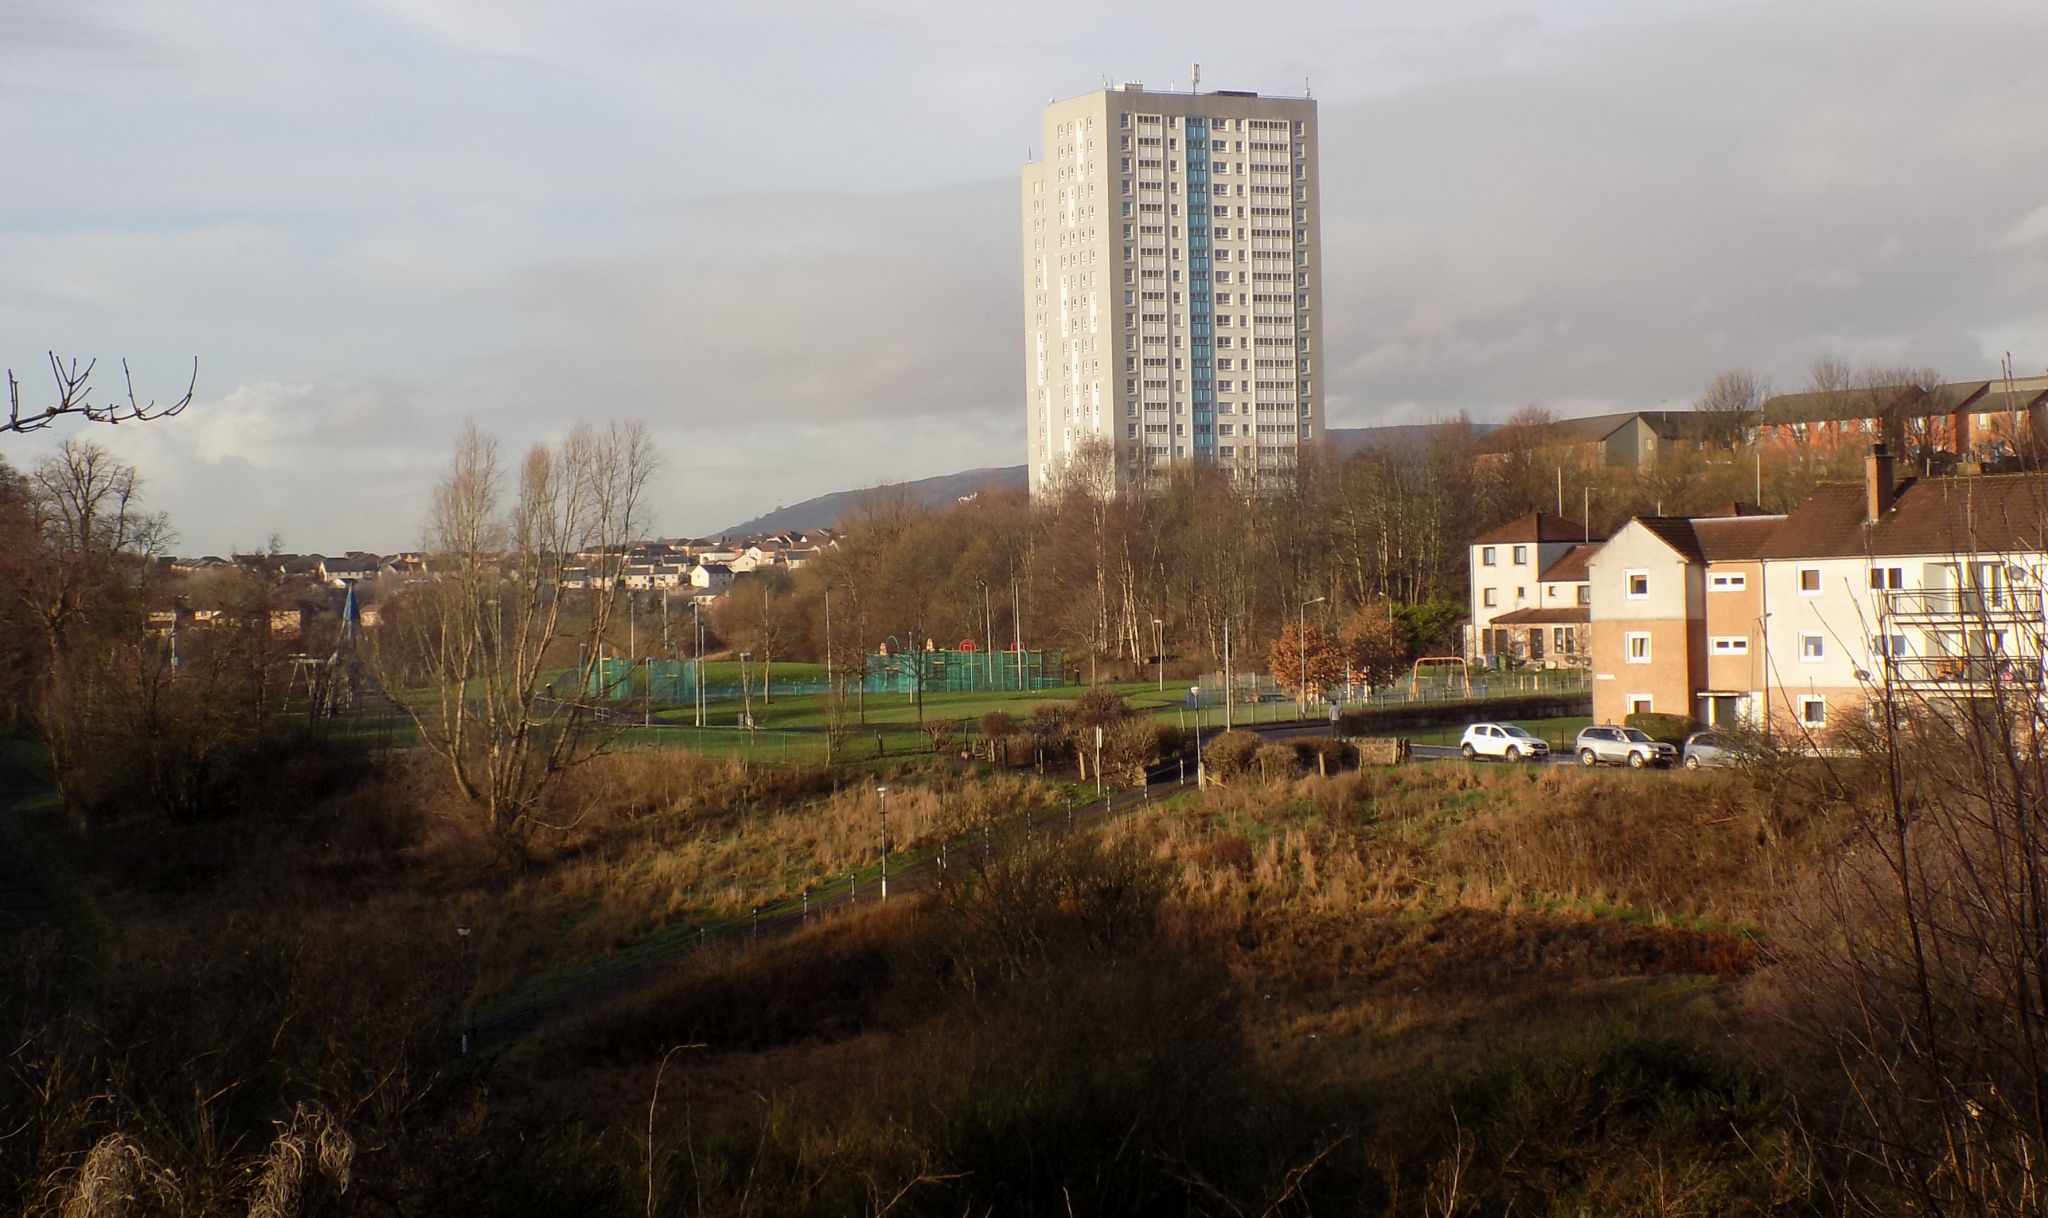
[
  {"x": 1537, "y": 526},
  {"x": 1705, "y": 539},
  {"x": 1562, "y": 615},
  {"x": 1735, "y": 538},
  {"x": 1570, "y": 566},
  {"x": 1987, "y": 513},
  {"x": 1869, "y": 402}
]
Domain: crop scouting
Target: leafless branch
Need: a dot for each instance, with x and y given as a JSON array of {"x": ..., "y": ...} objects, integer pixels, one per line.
[{"x": 74, "y": 397}]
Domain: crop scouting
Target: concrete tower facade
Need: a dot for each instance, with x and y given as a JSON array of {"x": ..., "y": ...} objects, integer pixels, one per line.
[{"x": 1172, "y": 285}]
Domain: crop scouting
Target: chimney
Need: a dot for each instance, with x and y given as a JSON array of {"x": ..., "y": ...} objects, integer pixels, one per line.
[{"x": 1877, "y": 483}]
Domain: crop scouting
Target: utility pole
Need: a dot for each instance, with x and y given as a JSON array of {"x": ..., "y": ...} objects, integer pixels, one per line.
[
  {"x": 1301, "y": 637},
  {"x": 1017, "y": 628},
  {"x": 1159, "y": 650},
  {"x": 697, "y": 610},
  {"x": 746, "y": 691},
  {"x": 882, "y": 794},
  {"x": 767, "y": 647},
  {"x": 1229, "y": 689},
  {"x": 988, "y": 634}
]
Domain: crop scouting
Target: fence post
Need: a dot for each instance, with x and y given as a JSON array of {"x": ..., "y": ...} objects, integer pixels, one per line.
[
  {"x": 754, "y": 925},
  {"x": 807, "y": 905}
]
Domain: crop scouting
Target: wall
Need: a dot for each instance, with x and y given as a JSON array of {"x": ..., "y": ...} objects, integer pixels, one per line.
[{"x": 1670, "y": 614}]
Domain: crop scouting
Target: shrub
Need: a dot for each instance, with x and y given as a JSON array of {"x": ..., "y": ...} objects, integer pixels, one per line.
[
  {"x": 1322, "y": 755},
  {"x": 1277, "y": 760},
  {"x": 1099, "y": 708},
  {"x": 1669, "y": 729},
  {"x": 997, "y": 724},
  {"x": 1230, "y": 754},
  {"x": 1130, "y": 746}
]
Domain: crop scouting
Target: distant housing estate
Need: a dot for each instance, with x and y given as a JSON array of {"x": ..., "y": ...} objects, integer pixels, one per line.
[{"x": 1990, "y": 424}]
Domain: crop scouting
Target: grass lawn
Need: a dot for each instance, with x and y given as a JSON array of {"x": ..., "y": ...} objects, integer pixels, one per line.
[{"x": 884, "y": 710}]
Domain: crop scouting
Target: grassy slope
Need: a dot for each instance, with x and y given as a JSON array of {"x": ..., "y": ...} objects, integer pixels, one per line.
[{"x": 1362, "y": 944}]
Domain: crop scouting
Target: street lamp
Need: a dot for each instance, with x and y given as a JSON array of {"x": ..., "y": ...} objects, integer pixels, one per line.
[
  {"x": 1159, "y": 650},
  {"x": 882, "y": 794},
  {"x": 746, "y": 691},
  {"x": 462, "y": 929},
  {"x": 1301, "y": 637}
]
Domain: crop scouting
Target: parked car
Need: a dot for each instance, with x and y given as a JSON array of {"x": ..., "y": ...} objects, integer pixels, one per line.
[
  {"x": 1502, "y": 740},
  {"x": 1710, "y": 748},
  {"x": 1622, "y": 746}
]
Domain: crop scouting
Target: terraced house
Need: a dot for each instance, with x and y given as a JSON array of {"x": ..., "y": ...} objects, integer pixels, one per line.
[
  {"x": 1920, "y": 592},
  {"x": 1529, "y": 593},
  {"x": 1676, "y": 616}
]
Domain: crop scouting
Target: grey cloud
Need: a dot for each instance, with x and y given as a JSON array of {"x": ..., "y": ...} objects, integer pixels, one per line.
[{"x": 1614, "y": 231}]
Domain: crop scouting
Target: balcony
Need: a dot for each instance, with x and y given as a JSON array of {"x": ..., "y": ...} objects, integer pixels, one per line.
[
  {"x": 1964, "y": 605},
  {"x": 1961, "y": 674}
]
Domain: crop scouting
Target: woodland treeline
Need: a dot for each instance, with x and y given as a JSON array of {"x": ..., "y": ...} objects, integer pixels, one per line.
[{"x": 1090, "y": 573}]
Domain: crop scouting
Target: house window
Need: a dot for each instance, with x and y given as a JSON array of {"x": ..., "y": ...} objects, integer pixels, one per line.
[
  {"x": 1809, "y": 581},
  {"x": 1585, "y": 594},
  {"x": 1521, "y": 556},
  {"x": 1888, "y": 578},
  {"x": 1486, "y": 556},
  {"x": 1727, "y": 581},
  {"x": 1813, "y": 712},
  {"x": 1639, "y": 585},
  {"x": 1639, "y": 704},
  {"x": 1561, "y": 639},
  {"x": 1732, "y": 645},
  {"x": 1812, "y": 647},
  {"x": 1888, "y": 645},
  {"x": 1636, "y": 647},
  {"x": 1488, "y": 598}
]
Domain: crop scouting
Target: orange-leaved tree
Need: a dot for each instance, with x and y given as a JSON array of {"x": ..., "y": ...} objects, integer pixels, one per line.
[{"x": 1313, "y": 647}]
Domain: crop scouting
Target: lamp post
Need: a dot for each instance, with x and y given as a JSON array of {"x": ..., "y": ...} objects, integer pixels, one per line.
[
  {"x": 746, "y": 691},
  {"x": 1159, "y": 650},
  {"x": 882, "y": 795},
  {"x": 1229, "y": 685},
  {"x": 1301, "y": 637},
  {"x": 462, "y": 929},
  {"x": 697, "y": 612}
]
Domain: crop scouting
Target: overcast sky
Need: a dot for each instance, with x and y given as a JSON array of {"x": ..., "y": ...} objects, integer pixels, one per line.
[{"x": 784, "y": 234}]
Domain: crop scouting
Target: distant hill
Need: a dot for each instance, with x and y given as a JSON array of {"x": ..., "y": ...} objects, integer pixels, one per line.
[{"x": 824, "y": 511}]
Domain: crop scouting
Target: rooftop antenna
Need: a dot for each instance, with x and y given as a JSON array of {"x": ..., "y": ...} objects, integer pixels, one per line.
[
  {"x": 1195, "y": 80},
  {"x": 1305, "y": 90}
]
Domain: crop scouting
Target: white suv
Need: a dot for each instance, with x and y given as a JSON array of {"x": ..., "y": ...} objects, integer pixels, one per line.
[
  {"x": 1622, "y": 746},
  {"x": 1502, "y": 740}
]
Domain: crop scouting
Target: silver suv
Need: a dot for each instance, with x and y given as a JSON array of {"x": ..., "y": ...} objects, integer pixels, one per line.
[{"x": 1622, "y": 746}]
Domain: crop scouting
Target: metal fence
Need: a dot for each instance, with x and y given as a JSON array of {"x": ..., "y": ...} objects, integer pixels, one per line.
[{"x": 1259, "y": 697}]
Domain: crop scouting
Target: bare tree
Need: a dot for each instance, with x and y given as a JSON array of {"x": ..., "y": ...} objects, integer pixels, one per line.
[
  {"x": 92, "y": 542},
  {"x": 478, "y": 641},
  {"x": 74, "y": 397},
  {"x": 1728, "y": 411}
]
